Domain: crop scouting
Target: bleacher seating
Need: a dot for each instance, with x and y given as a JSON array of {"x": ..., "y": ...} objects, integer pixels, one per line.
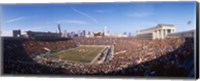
[{"x": 140, "y": 57}]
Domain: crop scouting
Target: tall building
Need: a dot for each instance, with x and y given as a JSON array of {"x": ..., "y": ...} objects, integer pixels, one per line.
[
  {"x": 16, "y": 33},
  {"x": 105, "y": 31},
  {"x": 78, "y": 33},
  {"x": 125, "y": 33},
  {"x": 88, "y": 34},
  {"x": 129, "y": 34},
  {"x": 65, "y": 34},
  {"x": 158, "y": 32},
  {"x": 59, "y": 29},
  {"x": 83, "y": 33}
]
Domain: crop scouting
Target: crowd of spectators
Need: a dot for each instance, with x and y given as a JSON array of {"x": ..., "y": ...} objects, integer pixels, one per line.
[
  {"x": 18, "y": 55},
  {"x": 131, "y": 57}
]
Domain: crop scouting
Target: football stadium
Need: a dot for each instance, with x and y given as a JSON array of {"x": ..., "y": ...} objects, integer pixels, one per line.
[
  {"x": 130, "y": 39},
  {"x": 100, "y": 56}
]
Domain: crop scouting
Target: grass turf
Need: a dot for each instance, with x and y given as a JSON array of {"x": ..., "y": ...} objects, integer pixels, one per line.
[{"x": 78, "y": 54}]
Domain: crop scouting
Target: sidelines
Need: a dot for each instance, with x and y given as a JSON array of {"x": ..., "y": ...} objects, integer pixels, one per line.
[{"x": 95, "y": 58}]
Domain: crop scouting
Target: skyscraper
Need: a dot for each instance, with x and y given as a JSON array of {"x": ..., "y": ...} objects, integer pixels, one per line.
[
  {"x": 105, "y": 31},
  {"x": 59, "y": 29},
  {"x": 83, "y": 33},
  {"x": 65, "y": 33}
]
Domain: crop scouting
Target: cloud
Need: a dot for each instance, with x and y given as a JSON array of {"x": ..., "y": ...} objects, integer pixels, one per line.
[
  {"x": 103, "y": 11},
  {"x": 79, "y": 22},
  {"x": 142, "y": 14},
  {"x": 15, "y": 19},
  {"x": 84, "y": 14}
]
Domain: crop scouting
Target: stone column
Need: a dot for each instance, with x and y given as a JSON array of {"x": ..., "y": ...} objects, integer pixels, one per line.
[
  {"x": 154, "y": 34},
  {"x": 165, "y": 32},
  {"x": 161, "y": 33},
  {"x": 157, "y": 34},
  {"x": 171, "y": 30}
]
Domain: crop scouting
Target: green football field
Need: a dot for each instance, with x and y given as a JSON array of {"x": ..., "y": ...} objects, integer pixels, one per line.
[{"x": 83, "y": 54}]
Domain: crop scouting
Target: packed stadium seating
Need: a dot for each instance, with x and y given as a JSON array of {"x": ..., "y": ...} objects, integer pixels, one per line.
[{"x": 168, "y": 57}]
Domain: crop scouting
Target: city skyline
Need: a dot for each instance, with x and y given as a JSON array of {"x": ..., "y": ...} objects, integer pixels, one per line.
[{"x": 117, "y": 17}]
